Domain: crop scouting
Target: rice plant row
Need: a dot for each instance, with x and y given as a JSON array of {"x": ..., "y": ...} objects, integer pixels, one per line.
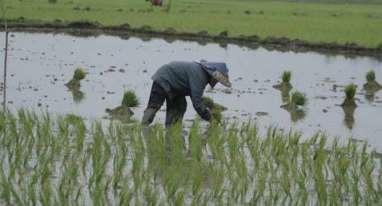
[{"x": 53, "y": 160}]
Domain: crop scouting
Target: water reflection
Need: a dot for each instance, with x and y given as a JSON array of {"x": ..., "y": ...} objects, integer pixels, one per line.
[
  {"x": 285, "y": 95},
  {"x": 139, "y": 60},
  {"x": 78, "y": 95},
  {"x": 349, "y": 116},
  {"x": 370, "y": 96},
  {"x": 296, "y": 113},
  {"x": 121, "y": 113}
]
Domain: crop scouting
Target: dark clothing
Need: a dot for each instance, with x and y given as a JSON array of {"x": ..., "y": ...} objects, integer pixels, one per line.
[
  {"x": 180, "y": 79},
  {"x": 176, "y": 105}
]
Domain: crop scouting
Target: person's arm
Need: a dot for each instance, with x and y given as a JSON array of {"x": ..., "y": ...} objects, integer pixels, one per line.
[{"x": 197, "y": 102}]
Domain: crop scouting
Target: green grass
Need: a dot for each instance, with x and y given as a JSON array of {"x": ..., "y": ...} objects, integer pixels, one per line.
[
  {"x": 49, "y": 160},
  {"x": 313, "y": 22}
]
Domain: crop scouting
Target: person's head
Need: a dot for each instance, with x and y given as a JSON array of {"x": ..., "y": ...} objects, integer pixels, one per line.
[{"x": 218, "y": 73}]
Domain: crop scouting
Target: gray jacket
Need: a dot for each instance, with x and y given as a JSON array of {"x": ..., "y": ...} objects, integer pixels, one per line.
[{"x": 185, "y": 79}]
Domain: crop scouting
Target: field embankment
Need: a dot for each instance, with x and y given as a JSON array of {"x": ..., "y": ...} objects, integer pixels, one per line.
[{"x": 327, "y": 26}]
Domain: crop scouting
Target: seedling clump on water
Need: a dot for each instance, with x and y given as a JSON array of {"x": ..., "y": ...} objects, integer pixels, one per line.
[
  {"x": 350, "y": 91},
  {"x": 123, "y": 112},
  {"x": 371, "y": 84},
  {"x": 285, "y": 85},
  {"x": 130, "y": 99},
  {"x": 75, "y": 83},
  {"x": 349, "y": 105},
  {"x": 216, "y": 109},
  {"x": 295, "y": 104},
  {"x": 296, "y": 100}
]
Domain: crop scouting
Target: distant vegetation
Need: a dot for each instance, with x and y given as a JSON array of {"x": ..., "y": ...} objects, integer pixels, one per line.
[
  {"x": 314, "y": 22},
  {"x": 338, "y": 1}
]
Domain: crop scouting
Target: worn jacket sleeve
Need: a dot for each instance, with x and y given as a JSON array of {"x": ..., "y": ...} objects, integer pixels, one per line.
[{"x": 197, "y": 101}]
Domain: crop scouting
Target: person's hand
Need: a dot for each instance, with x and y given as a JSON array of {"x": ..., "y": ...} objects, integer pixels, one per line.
[{"x": 209, "y": 116}]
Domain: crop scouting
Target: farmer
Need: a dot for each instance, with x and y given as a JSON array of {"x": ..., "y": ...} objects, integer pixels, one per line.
[
  {"x": 156, "y": 2},
  {"x": 176, "y": 80}
]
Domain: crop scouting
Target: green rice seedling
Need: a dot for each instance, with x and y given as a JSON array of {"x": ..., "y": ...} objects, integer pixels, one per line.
[
  {"x": 149, "y": 194},
  {"x": 195, "y": 143},
  {"x": 123, "y": 112},
  {"x": 179, "y": 199},
  {"x": 286, "y": 77},
  {"x": 298, "y": 99},
  {"x": 130, "y": 99},
  {"x": 5, "y": 187},
  {"x": 215, "y": 108},
  {"x": 210, "y": 103},
  {"x": 285, "y": 84},
  {"x": 371, "y": 86},
  {"x": 294, "y": 106},
  {"x": 233, "y": 165},
  {"x": 75, "y": 82},
  {"x": 350, "y": 91},
  {"x": 126, "y": 197},
  {"x": 370, "y": 76}
]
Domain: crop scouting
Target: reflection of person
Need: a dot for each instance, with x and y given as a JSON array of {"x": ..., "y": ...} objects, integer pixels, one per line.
[{"x": 176, "y": 80}]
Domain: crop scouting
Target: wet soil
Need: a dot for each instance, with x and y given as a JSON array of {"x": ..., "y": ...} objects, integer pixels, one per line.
[{"x": 88, "y": 29}]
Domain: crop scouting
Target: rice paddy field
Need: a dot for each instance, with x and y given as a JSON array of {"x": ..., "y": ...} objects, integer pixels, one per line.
[
  {"x": 49, "y": 160},
  {"x": 59, "y": 146},
  {"x": 313, "y": 21},
  {"x": 296, "y": 128}
]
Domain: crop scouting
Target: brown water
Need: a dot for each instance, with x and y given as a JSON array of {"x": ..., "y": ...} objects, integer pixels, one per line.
[{"x": 40, "y": 64}]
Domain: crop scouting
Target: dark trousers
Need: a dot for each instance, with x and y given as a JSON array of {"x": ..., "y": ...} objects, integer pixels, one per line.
[{"x": 176, "y": 104}]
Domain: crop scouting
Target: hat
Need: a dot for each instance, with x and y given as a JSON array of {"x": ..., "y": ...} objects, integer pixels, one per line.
[{"x": 218, "y": 71}]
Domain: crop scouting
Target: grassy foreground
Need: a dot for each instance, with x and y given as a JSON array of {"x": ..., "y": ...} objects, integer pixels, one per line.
[
  {"x": 314, "y": 22},
  {"x": 48, "y": 160}
]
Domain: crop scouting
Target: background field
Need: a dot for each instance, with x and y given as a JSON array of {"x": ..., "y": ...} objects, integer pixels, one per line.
[{"x": 315, "y": 22}]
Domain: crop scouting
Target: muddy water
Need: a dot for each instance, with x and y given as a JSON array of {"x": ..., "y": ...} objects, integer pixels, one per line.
[{"x": 40, "y": 65}]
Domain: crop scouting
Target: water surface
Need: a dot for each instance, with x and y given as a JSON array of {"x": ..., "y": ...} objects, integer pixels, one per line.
[{"x": 41, "y": 63}]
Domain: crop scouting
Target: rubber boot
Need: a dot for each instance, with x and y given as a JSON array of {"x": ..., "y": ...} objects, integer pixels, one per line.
[{"x": 148, "y": 116}]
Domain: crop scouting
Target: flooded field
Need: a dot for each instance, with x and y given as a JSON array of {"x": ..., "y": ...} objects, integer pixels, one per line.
[{"x": 41, "y": 63}]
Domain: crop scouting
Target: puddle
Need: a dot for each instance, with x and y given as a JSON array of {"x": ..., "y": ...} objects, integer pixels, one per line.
[{"x": 41, "y": 64}]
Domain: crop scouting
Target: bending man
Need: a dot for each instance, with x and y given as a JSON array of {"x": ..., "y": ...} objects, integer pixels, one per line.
[{"x": 176, "y": 80}]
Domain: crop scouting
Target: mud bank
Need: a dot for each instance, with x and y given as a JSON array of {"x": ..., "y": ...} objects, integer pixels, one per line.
[{"x": 84, "y": 28}]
